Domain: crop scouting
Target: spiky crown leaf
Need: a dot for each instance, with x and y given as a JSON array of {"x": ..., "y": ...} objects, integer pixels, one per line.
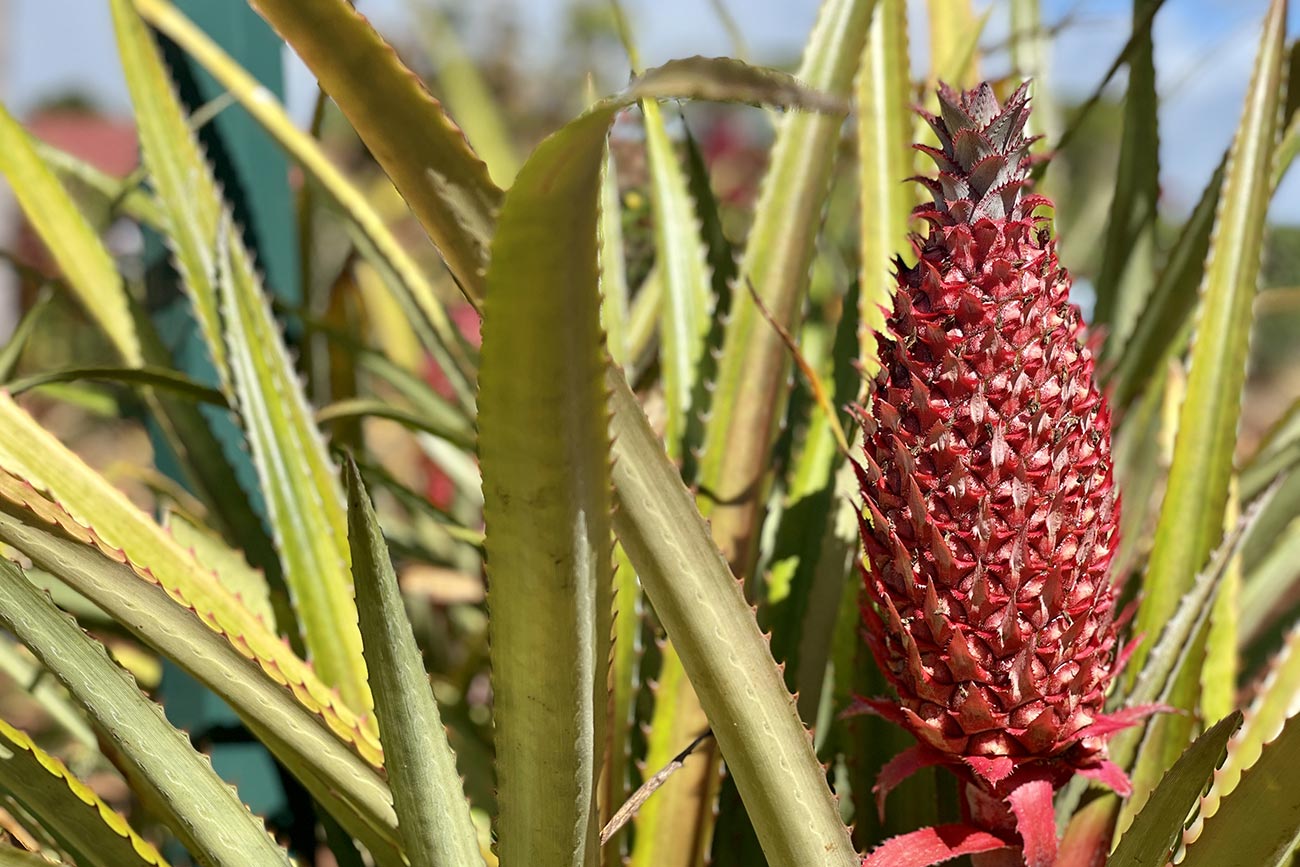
[{"x": 983, "y": 158}]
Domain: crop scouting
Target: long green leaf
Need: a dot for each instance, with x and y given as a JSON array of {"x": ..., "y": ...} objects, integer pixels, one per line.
[
  {"x": 354, "y": 206},
  {"x": 712, "y": 627},
  {"x": 1150, "y": 840},
  {"x": 186, "y": 190},
  {"x": 159, "y": 378},
  {"x": 406, "y": 129},
  {"x": 80, "y": 256},
  {"x": 304, "y": 499},
  {"x": 67, "y": 808},
  {"x": 1191, "y": 518},
  {"x": 884, "y": 152},
  {"x": 1128, "y": 259},
  {"x": 35, "y": 456},
  {"x": 735, "y": 466},
  {"x": 202, "y": 810},
  {"x": 544, "y": 450},
  {"x": 1259, "y": 824},
  {"x": 292, "y": 718},
  {"x": 432, "y": 814},
  {"x": 680, "y": 252}
]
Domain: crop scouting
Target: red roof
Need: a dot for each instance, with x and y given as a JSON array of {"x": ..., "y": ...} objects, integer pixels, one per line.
[{"x": 106, "y": 143}]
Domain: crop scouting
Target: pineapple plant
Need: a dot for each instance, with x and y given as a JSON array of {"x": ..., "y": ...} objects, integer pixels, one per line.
[
  {"x": 657, "y": 568},
  {"x": 991, "y": 516}
]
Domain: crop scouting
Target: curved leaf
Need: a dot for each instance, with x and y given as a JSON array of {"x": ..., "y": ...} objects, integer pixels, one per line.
[
  {"x": 354, "y": 206},
  {"x": 160, "y": 378},
  {"x": 86, "y": 264},
  {"x": 432, "y": 814},
  {"x": 293, "y": 718},
  {"x": 406, "y": 129},
  {"x": 1260, "y": 823},
  {"x": 456, "y": 433},
  {"x": 303, "y": 496},
  {"x": 544, "y": 450},
  {"x": 70, "y": 810},
  {"x": 201, "y": 809},
  {"x": 1150, "y": 840}
]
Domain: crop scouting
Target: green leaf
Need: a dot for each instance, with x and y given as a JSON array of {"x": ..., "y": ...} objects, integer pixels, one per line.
[
  {"x": 1274, "y": 701},
  {"x": 181, "y": 177},
  {"x": 1151, "y": 839},
  {"x": 614, "y": 292},
  {"x": 201, "y": 809},
  {"x": 246, "y": 583},
  {"x": 406, "y": 129},
  {"x": 12, "y": 857},
  {"x": 1277, "y": 453},
  {"x": 86, "y": 265},
  {"x": 885, "y": 154},
  {"x": 625, "y": 685},
  {"x": 303, "y": 496},
  {"x": 735, "y": 465},
  {"x": 159, "y": 378},
  {"x": 688, "y": 303},
  {"x": 1191, "y": 518},
  {"x": 66, "y": 807},
  {"x": 724, "y": 654},
  {"x": 476, "y": 108},
  {"x": 452, "y": 429},
  {"x": 292, "y": 716},
  {"x": 377, "y": 242},
  {"x": 678, "y": 804},
  {"x": 1260, "y": 823},
  {"x": 1128, "y": 258},
  {"x": 954, "y": 39},
  {"x": 432, "y": 814},
  {"x": 544, "y": 451}
]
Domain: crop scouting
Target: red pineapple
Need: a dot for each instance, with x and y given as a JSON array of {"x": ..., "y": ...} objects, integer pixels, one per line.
[{"x": 990, "y": 513}]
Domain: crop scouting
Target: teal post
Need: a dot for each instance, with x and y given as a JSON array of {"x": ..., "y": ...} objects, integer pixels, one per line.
[{"x": 254, "y": 175}]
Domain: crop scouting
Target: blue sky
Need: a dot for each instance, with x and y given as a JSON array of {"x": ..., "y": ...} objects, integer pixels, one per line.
[{"x": 1204, "y": 53}]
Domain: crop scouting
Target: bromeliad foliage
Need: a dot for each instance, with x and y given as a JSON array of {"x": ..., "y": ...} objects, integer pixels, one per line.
[{"x": 433, "y": 720}]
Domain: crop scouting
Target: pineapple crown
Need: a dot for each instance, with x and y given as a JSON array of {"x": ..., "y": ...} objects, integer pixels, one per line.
[{"x": 983, "y": 158}]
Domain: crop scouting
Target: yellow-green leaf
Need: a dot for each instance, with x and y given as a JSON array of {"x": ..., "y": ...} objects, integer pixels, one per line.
[
  {"x": 544, "y": 450},
  {"x": 303, "y": 497},
  {"x": 433, "y": 816},
  {"x": 198, "y": 806},
  {"x": 1191, "y": 517},
  {"x": 67, "y": 808},
  {"x": 885, "y": 154}
]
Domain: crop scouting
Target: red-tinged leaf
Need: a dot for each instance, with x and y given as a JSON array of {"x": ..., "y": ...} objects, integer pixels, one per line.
[
  {"x": 902, "y": 766},
  {"x": 1087, "y": 837},
  {"x": 1108, "y": 724},
  {"x": 1110, "y": 775},
  {"x": 993, "y": 770},
  {"x": 929, "y": 846},
  {"x": 1031, "y": 804}
]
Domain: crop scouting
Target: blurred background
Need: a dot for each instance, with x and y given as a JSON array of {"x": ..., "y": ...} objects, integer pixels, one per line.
[{"x": 511, "y": 71}]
